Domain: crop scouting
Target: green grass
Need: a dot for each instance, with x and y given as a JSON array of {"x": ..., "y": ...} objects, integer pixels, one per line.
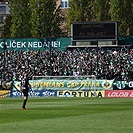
[{"x": 67, "y": 115}]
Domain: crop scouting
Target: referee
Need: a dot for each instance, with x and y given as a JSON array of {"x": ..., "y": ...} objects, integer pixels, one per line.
[{"x": 24, "y": 88}]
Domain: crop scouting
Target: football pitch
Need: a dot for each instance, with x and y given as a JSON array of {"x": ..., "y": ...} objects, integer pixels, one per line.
[{"x": 67, "y": 115}]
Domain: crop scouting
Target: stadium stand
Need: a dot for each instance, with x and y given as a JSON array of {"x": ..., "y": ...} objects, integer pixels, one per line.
[{"x": 110, "y": 64}]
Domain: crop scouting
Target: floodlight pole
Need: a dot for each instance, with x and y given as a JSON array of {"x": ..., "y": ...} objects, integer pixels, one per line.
[
  {"x": 5, "y": 47},
  {"x": 50, "y": 48},
  {"x": 97, "y": 58}
]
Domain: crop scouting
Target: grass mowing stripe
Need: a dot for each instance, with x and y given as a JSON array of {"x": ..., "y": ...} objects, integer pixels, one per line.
[
  {"x": 102, "y": 122},
  {"x": 63, "y": 115}
]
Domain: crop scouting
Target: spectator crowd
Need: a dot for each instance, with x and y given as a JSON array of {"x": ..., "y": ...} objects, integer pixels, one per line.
[{"x": 104, "y": 63}]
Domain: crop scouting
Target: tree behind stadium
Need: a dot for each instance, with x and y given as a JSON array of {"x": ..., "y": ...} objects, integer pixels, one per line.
[
  {"x": 20, "y": 22},
  {"x": 35, "y": 18},
  {"x": 81, "y": 11},
  {"x": 122, "y": 11},
  {"x": 103, "y": 10},
  {"x": 87, "y": 11},
  {"x": 46, "y": 20}
]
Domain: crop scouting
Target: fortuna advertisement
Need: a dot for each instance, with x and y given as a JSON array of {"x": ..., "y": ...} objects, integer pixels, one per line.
[{"x": 80, "y": 93}]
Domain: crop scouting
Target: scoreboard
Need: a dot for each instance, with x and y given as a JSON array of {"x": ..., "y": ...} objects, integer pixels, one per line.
[{"x": 91, "y": 31}]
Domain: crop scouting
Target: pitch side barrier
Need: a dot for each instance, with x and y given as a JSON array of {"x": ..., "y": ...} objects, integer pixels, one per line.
[
  {"x": 71, "y": 87},
  {"x": 75, "y": 84}
]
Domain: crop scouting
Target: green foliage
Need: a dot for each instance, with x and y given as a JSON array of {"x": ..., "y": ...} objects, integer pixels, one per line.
[
  {"x": 7, "y": 24},
  {"x": 42, "y": 18},
  {"x": 48, "y": 20},
  {"x": 102, "y": 8},
  {"x": 121, "y": 11},
  {"x": 34, "y": 18},
  {"x": 81, "y": 11},
  {"x": 20, "y": 13}
]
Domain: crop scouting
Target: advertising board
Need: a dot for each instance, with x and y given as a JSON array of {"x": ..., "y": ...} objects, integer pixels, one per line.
[
  {"x": 35, "y": 93},
  {"x": 4, "y": 93},
  {"x": 34, "y": 43},
  {"x": 119, "y": 93},
  {"x": 80, "y": 93},
  {"x": 123, "y": 85}
]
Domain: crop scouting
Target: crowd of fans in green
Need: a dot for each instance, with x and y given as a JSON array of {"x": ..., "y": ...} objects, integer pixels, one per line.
[{"x": 104, "y": 63}]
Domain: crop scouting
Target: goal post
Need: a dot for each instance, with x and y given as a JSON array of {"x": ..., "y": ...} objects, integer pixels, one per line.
[{"x": 69, "y": 83}]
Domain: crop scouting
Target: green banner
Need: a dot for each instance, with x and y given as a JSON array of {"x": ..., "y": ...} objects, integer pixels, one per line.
[
  {"x": 44, "y": 43},
  {"x": 69, "y": 84},
  {"x": 34, "y": 43},
  {"x": 125, "y": 40}
]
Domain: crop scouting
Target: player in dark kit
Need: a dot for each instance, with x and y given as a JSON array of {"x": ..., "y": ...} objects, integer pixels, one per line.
[{"x": 24, "y": 88}]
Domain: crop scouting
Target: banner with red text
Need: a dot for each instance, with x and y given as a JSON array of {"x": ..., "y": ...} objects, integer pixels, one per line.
[{"x": 119, "y": 93}]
